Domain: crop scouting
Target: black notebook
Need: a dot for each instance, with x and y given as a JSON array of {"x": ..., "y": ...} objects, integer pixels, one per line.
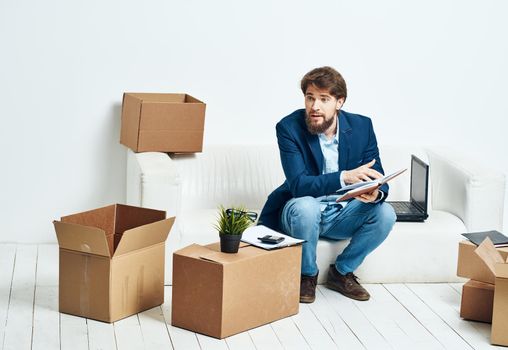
[{"x": 496, "y": 237}]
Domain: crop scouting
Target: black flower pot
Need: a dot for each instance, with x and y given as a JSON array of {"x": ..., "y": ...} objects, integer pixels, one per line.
[{"x": 229, "y": 243}]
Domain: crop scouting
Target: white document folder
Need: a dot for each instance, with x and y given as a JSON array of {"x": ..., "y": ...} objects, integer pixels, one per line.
[{"x": 251, "y": 234}]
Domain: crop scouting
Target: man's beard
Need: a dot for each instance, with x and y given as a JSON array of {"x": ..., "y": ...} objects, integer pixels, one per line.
[{"x": 315, "y": 129}]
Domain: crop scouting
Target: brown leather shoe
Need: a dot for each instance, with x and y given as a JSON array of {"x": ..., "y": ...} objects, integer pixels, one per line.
[
  {"x": 308, "y": 288},
  {"x": 346, "y": 284}
]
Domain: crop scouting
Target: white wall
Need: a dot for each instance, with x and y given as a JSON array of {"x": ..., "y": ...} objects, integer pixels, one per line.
[{"x": 427, "y": 72}]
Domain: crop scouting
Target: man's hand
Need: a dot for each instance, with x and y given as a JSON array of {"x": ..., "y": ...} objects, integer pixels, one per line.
[
  {"x": 368, "y": 197},
  {"x": 362, "y": 173}
]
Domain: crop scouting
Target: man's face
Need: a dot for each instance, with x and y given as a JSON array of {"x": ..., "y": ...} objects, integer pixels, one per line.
[{"x": 321, "y": 110}]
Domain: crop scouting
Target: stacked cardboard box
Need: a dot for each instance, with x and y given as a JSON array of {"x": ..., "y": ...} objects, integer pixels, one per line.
[
  {"x": 485, "y": 296},
  {"x": 477, "y": 301},
  {"x": 112, "y": 261},
  {"x": 220, "y": 294},
  {"x": 162, "y": 122}
]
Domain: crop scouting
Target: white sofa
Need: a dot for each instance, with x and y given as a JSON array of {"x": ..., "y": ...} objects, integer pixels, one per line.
[{"x": 463, "y": 197}]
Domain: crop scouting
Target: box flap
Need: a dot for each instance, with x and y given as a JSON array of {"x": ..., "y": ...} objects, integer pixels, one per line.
[
  {"x": 144, "y": 236},
  {"x": 81, "y": 238},
  {"x": 131, "y": 114},
  {"x": 128, "y": 217},
  {"x": 489, "y": 255},
  {"x": 191, "y": 99},
  {"x": 103, "y": 218}
]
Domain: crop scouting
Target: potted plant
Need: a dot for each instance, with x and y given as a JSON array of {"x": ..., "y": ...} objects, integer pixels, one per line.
[{"x": 231, "y": 223}]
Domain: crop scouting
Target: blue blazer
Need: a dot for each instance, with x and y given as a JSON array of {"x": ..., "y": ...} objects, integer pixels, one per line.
[{"x": 302, "y": 160}]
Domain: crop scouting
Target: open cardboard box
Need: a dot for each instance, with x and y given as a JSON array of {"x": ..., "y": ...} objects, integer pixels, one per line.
[
  {"x": 220, "y": 294},
  {"x": 470, "y": 265},
  {"x": 162, "y": 122},
  {"x": 497, "y": 268},
  {"x": 112, "y": 261}
]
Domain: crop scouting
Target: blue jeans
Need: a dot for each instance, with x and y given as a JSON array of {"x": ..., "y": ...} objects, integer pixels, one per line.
[{"x": 366, "y": 224}]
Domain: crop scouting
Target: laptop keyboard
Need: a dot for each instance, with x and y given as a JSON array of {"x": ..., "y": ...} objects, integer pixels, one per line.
[{"x": 404, "y": 207}]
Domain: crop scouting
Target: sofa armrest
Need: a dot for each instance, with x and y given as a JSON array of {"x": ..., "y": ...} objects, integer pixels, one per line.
[
  {"x": 153, "y": 181},
  {"x": 466, "y": 189}
]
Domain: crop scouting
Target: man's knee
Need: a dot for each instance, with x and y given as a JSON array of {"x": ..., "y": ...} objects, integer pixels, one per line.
[
  {"x": 305, "y": 209},
  {"x": 385, "y": 218},
  {"x": 302, "y": 217}
]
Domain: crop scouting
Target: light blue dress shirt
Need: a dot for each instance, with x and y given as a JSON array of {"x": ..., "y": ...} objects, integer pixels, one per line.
[{"x": 330, "y": 150}]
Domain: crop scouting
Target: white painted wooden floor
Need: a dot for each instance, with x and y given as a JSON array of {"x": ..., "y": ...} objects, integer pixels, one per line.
[{"x": 398, "y": 316}]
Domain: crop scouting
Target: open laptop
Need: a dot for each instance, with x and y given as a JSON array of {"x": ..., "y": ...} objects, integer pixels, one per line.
[{"x": 416, "y": 209}]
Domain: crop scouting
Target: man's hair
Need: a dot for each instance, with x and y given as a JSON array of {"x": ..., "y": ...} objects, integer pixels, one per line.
[{"x": 325, "y": 78}]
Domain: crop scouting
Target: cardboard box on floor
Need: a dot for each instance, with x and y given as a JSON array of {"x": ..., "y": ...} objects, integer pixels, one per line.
[
  {"x": 477, "y": 301},
  {"x": 469, "y": 264},
  {"x": 162, "y": 122},
  {"x": 112, "y": 261},
  {"x": 220, "y": 294},
  {"x": 498, "y": 269}
]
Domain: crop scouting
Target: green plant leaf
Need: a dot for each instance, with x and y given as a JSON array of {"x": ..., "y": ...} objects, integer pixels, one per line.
[{"x": 233, "y": 224}]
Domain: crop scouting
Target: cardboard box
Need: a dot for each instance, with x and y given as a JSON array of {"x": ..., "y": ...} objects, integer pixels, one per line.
[
  {"x": 112, "y": 261},
  {"x": 162, "y": 122},
  {"x": 220, "y": 294},
  {"x": 471, "y": 266},
  {"x": 498, "y": 268},
  {"x": 477, "y": 301}
]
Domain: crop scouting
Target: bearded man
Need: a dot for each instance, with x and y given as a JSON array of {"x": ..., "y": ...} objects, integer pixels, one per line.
[{"x": 323, "y": 148}]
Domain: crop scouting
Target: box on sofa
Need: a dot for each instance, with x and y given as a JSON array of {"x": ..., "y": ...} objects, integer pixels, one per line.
[
  {"x": 162, "y": 122},
  {"x": 112, "y": 261},
  {"x": 220, "y": 294}
]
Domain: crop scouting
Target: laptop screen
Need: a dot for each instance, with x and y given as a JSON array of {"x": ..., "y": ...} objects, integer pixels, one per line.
[{"x": 419, "y": 183}]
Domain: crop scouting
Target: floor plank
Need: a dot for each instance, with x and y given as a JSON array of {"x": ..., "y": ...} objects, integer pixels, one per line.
[
  {"x": 101, "y": 335},
  {"x": 289, "y": 335},
  {"x": 444, "y": 301},
  {"x": 355, "y": 319},
  {"x": 439, "y": 329},
  {"x": 315, "y": 335},
  {"x": 334, "y": 325},
  {"x": 264, "y": 337},
  {"x": 155, "y": 333},
  {"x": 210, "y": 343},
  {"x": 128, "y": 334},
  {"x": 241, "y": 341},
  {"x": 18, "y": 329},
  {"x": 46, "y": 325},
  {"x": 73, "y": 332},
  {"x": 394, "y": 322},
  {"x": 7, "y": 256}
]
